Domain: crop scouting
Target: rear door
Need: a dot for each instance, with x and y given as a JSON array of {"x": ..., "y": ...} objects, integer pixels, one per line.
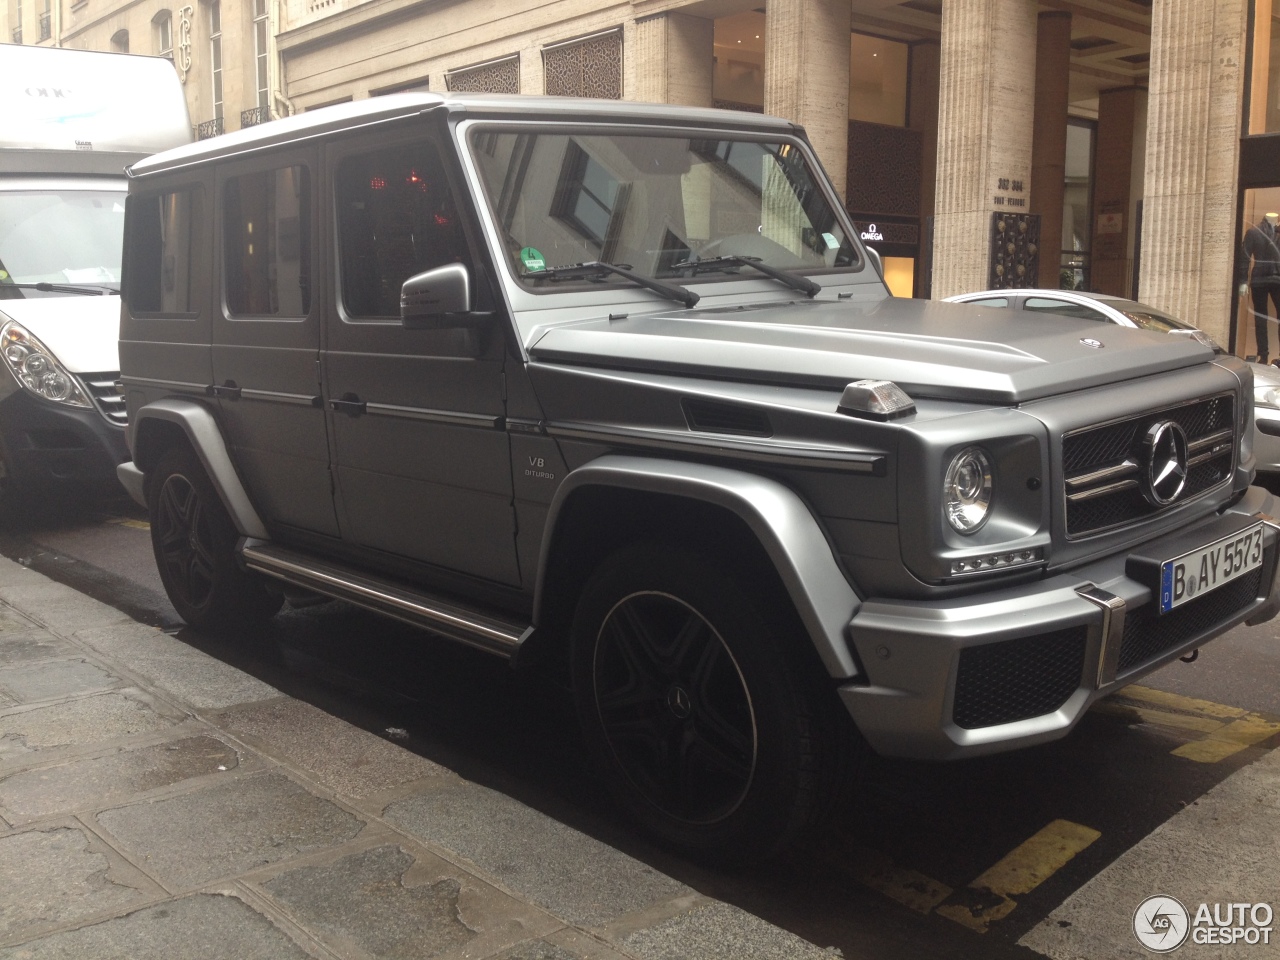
[{"x": 266, "y": 338}]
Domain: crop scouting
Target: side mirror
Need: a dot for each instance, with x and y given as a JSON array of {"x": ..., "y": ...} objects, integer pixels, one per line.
[
  {"x": 438, "y": 299},
  {"x": 874, "y": 256}
]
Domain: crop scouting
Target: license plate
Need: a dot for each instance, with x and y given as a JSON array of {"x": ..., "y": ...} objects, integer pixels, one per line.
[{"x": 1196, "y": 573}]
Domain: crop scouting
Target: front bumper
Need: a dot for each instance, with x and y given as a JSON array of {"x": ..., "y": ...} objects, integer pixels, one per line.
[
  {"x": 943, "y": 679},
  {"x": 48, "y": 446}
]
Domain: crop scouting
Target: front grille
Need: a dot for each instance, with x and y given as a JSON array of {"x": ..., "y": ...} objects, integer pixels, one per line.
[
  {"x": 102, "y": 387},
  {"x": 1147, "y": 634},
  {"x": 1016, "y": 679},
  {"x": 1102, "y": 465}
]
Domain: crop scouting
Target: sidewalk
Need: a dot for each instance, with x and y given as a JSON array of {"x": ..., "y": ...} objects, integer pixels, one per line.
[{"x": 158, "y": 804}]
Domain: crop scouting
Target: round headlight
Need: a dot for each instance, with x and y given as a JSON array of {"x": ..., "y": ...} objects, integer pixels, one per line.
[{"x": 967, "y": 490}]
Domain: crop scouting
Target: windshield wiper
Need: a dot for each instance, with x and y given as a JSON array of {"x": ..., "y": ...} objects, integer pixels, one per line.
[
  {"x": 803, "y": 284},
  {"x": 672, "y": 291},
  {"x": 96, "y": 290}
]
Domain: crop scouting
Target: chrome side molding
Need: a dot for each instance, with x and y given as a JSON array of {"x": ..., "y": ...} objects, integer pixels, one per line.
[{"x": 480, "y": 630}]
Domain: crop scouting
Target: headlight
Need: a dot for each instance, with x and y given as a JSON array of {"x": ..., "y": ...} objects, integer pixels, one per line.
[
  {"x": 34, "y": 366},
  {"x": 1266, "y": 394},
  {"x": 967, "y": 490}
]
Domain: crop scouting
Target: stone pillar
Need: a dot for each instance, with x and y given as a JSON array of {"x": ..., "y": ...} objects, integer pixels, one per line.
[
  {"x": 922, "y": 115},
  {"x": 1111, "y": 246},
  {"x": 1049, "y": 147},
  {"x": 1193, "y": 144},
  {"x": 985, "y": 108},
  {"x": 673, "y": 56},
  {"x": 806, "y": 74}
]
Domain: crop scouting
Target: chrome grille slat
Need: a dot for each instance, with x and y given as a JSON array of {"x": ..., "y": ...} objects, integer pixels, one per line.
[
  {"x": 102, "y": 388},
  {"x": 1101, "y": 491}
]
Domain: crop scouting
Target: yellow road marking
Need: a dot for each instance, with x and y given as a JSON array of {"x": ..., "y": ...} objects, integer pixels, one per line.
[
  {"x": 1163, "y": 717},
  {"x": 126, "y": 522},
  {"x": 990, "y": 896},
  {"x": 1175, "y": 701},
  {"x": 909, "y": 888},
  {"x": 1230, "y": 739}
]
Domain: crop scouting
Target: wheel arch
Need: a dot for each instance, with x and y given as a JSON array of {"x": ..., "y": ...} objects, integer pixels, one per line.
[
  {"x": 158, "y": 425},
  {"x": 770, "y": 518}
]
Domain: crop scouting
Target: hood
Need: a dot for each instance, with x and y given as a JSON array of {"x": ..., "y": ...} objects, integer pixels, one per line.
[
  {"x": 930, "y": 349},
  {"x": 82, "y": 331}
]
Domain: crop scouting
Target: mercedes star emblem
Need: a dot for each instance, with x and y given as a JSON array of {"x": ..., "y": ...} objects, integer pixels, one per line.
[
  {"x": 1090, "y": 342},
  {"x": 1164, "y": 450}
]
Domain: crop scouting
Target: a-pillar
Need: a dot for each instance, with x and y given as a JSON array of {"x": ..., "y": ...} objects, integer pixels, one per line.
[
  {"x": 674, "y": 60},
  {"x": 1117, "y": 183},
  {"x": 806, "y": 74},
  {"x": 986, "y": 105},
  {"x": 1192, "y": 154},
  {"x": 1049, "y": 147}
]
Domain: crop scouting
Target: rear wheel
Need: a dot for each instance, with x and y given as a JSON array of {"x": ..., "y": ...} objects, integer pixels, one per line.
[
  {"x": 194, "y": 542},
  {"x": 699, "y": 707}
]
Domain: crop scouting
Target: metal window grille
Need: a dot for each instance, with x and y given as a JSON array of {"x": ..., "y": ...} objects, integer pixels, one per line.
[{"x": 210, "y": 128}]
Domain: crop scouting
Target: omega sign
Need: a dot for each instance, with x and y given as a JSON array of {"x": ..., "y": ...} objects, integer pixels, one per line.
[{"x": 871, "y": 233}]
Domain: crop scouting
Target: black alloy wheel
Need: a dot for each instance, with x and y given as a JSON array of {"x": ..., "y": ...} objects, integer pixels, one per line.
[
  {"x": 674, "y": 708},
  {"x": 184, "y": 541}
]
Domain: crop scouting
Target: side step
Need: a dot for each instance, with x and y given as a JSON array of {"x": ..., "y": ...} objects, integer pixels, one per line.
[{"x": 481, "y": 630}]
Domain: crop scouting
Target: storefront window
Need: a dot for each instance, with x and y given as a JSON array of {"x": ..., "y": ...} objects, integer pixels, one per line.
[
  {"x": 1076, "y": 199},
  {"x": 878, "y": 80},
  {"x": 1264, "y": 88},
  {"x": 738, "y": 77},
  {"x": 1258, "y": 275}
]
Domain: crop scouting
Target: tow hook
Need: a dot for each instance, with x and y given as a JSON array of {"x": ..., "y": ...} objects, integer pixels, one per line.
[{"x": 1191, "y": 657}]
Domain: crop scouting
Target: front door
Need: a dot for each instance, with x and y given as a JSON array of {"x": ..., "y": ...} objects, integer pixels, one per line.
[
  {"x": 266, "y": 339},
  {"x": 421, "y": 456}
]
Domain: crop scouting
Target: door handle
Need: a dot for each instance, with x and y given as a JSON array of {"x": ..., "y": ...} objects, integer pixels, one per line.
[
  {"x": 350, "y": 404},
  {"x": 228, "y": 390}
]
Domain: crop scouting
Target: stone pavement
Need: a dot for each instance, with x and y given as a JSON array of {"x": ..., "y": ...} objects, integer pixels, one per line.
[{"x": 158, "y": 803}]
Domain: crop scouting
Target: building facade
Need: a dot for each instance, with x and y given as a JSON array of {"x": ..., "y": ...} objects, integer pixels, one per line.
[{"x": 1126, "y": 146}]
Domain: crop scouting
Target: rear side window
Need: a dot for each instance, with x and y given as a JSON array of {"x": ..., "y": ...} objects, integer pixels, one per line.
[
  {"x": 1064, "y": 308},
  {"x": 266, "y": 233},
  {"x": 158, "y": 241},
  {"x": 989, "y": 302}
]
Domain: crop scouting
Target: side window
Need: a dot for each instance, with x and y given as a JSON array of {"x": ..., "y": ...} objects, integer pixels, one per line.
[
  {"x": 159, "y": 243},
  {"x": 266, "y": 233},
  {"x": 1064, "y": 308},
  {"x": 989, "y": 302},
  {"x": 396, "y": 218}
]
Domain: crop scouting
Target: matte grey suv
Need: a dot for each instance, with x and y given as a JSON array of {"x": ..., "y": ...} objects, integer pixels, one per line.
[{"x": 615, "y": 386}]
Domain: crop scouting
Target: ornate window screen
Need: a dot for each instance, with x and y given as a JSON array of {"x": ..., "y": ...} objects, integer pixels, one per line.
[
  {"x": 495, "y": 76},
  {"x": 586, "y": 67}
]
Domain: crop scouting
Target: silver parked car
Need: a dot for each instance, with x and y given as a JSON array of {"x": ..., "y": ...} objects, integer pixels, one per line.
[{"x": 1105, "y": 308}]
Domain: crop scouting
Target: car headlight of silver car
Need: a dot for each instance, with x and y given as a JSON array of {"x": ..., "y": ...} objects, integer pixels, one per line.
[
  {"x": 1266, "y": 394},
  {"x": 35, "y": 367},
  {"x": 968, "y": 490}
]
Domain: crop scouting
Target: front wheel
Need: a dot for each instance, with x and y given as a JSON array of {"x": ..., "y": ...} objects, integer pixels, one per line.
[
  {"x": 194, "y": 542},
  {"x": 697, "y": 703}
]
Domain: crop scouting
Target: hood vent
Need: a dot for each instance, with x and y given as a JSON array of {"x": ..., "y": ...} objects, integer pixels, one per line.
[{"x": 715, "y": 416}]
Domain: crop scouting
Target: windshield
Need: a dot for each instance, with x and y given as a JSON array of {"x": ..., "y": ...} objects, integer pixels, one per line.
[
  {"x": 60, "y": 237},
  {"x": 654, "y": 203}
]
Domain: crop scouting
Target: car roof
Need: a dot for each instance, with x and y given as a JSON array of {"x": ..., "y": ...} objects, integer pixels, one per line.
[{"x": 359, "y": 113}]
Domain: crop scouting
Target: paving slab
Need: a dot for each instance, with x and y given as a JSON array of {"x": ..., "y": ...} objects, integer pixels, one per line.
[
  {"x": 36, "y": 644},
  {"x": 342, "y": 757},
  {"x": 567, "y": 872},
  {"x": 720, "y": 931},
  {"x": 199, "y": 927},
  {"x": 61, "y": 874},
  {"x": 47, "y": 729},
  {"x": 1221, "y": 849},
  {"x": 55, "y": 679},
  {"x": 58, "y": 607},
  {"x": 396, "y": 904},
  {"x": 244, "y": 823},
  {"x": 95, "y": 782},
  {"x": 565, "y": 944}
]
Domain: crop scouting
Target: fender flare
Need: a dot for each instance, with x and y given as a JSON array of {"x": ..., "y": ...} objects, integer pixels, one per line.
[
  {"x": 780, "y": 520},
  {"x": 201, "y": 429}
]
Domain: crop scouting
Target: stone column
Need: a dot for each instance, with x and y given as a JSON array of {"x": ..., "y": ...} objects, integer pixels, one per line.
[
  {"x": 806, "y": 74},
  {"x": 922, "y": 115},
  {"x": 532, "y": 72},
  {"x": 672, "y": 57},
  {"x": 1192, "y": 156},
  {"x": 985, "y": 109},
  {"x": 1049, "y": 147},
  {"x": 1111, "y": 247}
]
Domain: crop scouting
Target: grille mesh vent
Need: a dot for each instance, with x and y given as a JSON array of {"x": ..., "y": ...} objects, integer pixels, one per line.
[
  {"x": 1016, "y": 679},
  {"x": 714, "y": 416}
]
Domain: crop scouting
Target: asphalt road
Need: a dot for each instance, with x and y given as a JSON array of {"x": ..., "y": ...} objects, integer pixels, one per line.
[{"x": 906, "y": 869}]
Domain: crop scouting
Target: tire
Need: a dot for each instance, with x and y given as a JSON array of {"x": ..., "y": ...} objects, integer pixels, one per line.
[
  {"x": 698, "y": 704},
  {"x": 194, "y": 542}
]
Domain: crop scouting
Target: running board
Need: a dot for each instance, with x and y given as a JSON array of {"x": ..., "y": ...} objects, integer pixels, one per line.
[{"x": 481, "y": 630}]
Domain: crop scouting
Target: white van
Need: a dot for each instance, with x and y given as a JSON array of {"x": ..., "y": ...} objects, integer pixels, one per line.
[{"x": 73, "y": 120}]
